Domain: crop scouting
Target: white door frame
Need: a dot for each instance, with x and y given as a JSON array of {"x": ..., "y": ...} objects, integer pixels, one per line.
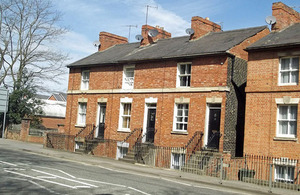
[
  {"x": 97, "y": 119},
  {"x": 148, "y": 102},
  {"x": 208, "y": 106}
]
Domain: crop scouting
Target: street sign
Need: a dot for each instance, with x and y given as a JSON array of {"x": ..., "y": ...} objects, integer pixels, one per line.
[{"x": 3, "y": 100}]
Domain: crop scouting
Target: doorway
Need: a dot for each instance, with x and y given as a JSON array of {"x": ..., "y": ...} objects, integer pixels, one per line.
[
  {"x": 150, "y": 116},
  {"x": 213, "y": 126},
  {"x": 101, "y": 120}
]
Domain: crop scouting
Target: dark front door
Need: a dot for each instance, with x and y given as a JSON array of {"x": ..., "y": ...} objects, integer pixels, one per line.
[
  {"x": 150, "y": 125},
  {"x": 101, "y": 125},
  {"x": 214, "y": 127}
]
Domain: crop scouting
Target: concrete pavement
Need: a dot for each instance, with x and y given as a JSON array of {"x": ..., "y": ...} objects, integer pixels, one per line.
[{"x": 138, "y": 169}]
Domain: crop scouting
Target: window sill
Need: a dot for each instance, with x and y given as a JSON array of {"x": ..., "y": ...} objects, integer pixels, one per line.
[
  {"x": 183, "y": 87},
  {"x": 124, "y": 130},
  {"x": 180, "y": 132},
  {"x": 287, "y": 84},
  {"x": 285, "y": 139},
  {"x": 80, "y": 125}
]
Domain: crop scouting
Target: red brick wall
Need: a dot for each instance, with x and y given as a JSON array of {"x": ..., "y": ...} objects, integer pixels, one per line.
[
  {"x": 52, "y": 123},
  {"x": 239, "y": 51},
  {"x": 162, "y": 34},
  {"x": 202, "y": 26},
  {"x": 108, "y": 40},
  {"x": 285, "y": 16},
  {"x": 261, "y": 108},
  {"x": 206, "y": 72}
]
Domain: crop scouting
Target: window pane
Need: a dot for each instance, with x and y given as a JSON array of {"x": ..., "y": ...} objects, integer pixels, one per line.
[
  {"x": 185, "y": 127},
  {"x": 186, "y": 112},
  {"x": 293, "y": 112},
  {"x": 127, "y": 109},
  {"x": 285, "y": 63},
  {"x": 285, "y": 77},
  {"x": 179, "y": 112},
  {"x": 186, "y": 119},
  {"x": 293, "y": 128},
  {"x": 283, "y": 127},
  {"x": 179, "y": 126},
  {"x": 295, "y": 63},
  {"x": 294, "y": 77},
  {"x": 283, "y": 111},
  {"x": 85, "y": 75},
  {"x": 126, "y": 122},
  {"x": 290, "y": 173},
  {"x": 188, "y": 81},
  {"x": 129, "y": 72},
  {"x": 182, "y": 69},
  {"x": 188, "y": 69},
  {"x": 179, "y": 119}
]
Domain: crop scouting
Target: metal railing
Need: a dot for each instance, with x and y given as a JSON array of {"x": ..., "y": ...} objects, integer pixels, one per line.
[{"x": 85, "y": 130}]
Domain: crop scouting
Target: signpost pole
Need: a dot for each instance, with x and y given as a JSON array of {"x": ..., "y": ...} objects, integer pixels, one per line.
[
  {"x": 3, "y": 129},
  {"x": 3, "y": 106}
]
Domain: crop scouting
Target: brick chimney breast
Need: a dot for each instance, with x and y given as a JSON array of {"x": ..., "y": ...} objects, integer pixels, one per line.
[
  {"x": 108, "y": 40},
  {"x": 203, "y": 26},
  {"x": 285, "y": 16},
  {"x": 162, "y": 34}
]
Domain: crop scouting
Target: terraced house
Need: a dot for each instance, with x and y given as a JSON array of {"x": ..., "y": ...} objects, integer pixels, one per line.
[
  {"x": 273, "y": 94},
  {"x": 172, "y": 89}
]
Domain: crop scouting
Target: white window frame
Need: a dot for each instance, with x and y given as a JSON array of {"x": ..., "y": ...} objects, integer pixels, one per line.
[
  {"x": 121, "y": 116},
  {"x": 85, "y": 81},
  {"x": 290, "y": 70},
  {"x": 183, "y": 75},
  {"x": 288, "y": 173},
  {"x": 81, "y": 113},
  {"x": 128, "y": 82},
  {"x": 183, "y": 115},
  {"x": 288, "y": 120},
  {"x": 284, "y": 169},
  {"x": 122, "y": 149},
  {"x": 174, "y": 164}
]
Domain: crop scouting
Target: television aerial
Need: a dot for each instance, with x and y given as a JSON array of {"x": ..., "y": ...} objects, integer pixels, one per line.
[
  {"x": 270, "y": 20},
  {"x": 153, "y": 33},
  {"x": 139, "y": 37},
  {"x": 189, "y": 31},
  {"x": 96, "y": 43}
]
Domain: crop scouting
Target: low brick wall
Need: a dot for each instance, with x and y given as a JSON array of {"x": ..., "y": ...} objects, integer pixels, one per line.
[
  {"x": 10, "y": 134},
  {"x": 60, "y": 141}
]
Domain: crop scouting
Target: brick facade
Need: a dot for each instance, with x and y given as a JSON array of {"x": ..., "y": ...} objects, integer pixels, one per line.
[
  {"x": 265, "y": 94},
  {"x": 217, "y": 80},
  {"x": 261, "y": 107}
]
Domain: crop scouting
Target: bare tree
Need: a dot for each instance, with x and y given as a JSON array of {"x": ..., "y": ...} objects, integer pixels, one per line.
[{"x": 28, "y": 30}]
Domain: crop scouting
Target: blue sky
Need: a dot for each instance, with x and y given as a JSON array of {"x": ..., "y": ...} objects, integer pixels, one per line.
[{"x": 86, "y": 18}]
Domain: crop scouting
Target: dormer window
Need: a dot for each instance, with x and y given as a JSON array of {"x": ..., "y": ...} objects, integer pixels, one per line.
[
  {"x": 128, "y": 77},
  {"x": 184, "y": 75},
  {"x": 85, "y": 78}
]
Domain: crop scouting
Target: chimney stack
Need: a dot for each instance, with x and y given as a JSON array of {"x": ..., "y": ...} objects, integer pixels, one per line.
[
  {"x": 162, "y": 34},
  {"x": 203, "y": 26},
  {"x": 285, "y": 16},
  {"x": 108, "y": 40}
]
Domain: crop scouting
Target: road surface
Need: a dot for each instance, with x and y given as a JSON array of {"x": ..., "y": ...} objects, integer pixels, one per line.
[{"x": 27, "y": 173}]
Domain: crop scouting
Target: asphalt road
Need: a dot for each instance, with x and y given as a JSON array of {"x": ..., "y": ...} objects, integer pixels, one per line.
[{"x": 27, "y": 173}]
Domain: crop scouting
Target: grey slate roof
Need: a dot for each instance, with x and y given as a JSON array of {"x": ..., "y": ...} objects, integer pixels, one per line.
[
  {"x": 212, "y": 43},
  {"x": 60, "y": 96},
  {"x": 287, "y": 37}
]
